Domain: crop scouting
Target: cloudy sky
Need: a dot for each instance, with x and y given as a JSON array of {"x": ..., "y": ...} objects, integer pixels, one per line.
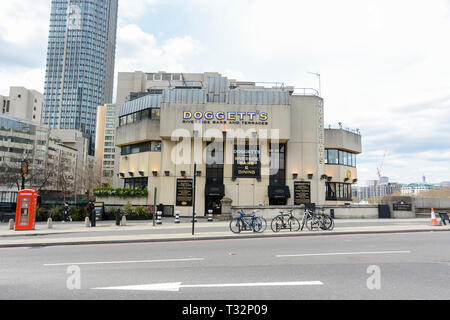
[{"x": 384, "y": 65}]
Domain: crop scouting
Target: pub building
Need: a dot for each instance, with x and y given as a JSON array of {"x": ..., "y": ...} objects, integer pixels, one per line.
[{"x": 255, "y": 145}]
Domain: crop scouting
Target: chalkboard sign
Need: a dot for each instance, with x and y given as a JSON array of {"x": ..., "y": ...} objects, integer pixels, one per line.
[
  {"x": 246, "y": 162},
  {"x": 99, "y": 208},
  {"x": 402, "y": 206},
  {"x": 302, "y": 192},
  {"x": 184, "y": 192}
]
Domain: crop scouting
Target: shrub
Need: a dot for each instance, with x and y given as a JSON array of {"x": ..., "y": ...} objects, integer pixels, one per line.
[
  {"x": 127, "y": 209},
  {"x": 56, "y": 213},
  {"x": 141, "y": 211},
  {"x": 120, "y": 192}
]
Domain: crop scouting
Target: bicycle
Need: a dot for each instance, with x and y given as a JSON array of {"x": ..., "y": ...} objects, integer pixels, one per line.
[
  {"x": 326, "y": 222},
  {"x": 247, "y": 222},
  {"x": 279, "y": 222},
  {"x": 311, "y": 220}
]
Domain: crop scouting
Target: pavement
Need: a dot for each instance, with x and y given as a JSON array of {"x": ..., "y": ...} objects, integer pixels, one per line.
[{"x": 76, "y": 233}]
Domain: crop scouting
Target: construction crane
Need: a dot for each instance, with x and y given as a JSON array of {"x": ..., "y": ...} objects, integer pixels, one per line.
[{"x": 381, "y": 166}]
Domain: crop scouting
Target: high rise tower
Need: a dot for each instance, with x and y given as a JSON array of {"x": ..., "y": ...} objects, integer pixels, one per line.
[{"x": 80, "y": 63}]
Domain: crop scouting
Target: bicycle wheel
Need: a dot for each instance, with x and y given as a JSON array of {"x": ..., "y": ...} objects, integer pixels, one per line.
[
  {"x": 259, "y": 224},
  {"x": 276, "y": 224},
  {"x": 294, "y": 224},
  {"x": 327, "y": 223},
  {"x": 313, "y": 224},
  {"x": 236, "y": 225}
]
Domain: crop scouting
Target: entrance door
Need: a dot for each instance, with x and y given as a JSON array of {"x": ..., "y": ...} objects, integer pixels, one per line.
[{"x": 213, "y": 203}]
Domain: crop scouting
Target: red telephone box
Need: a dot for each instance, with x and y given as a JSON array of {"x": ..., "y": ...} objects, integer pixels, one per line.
[{"x": 26, "y": 209}]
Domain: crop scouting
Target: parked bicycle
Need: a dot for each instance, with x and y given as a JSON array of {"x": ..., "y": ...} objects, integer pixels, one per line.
[
  {"x": 285, "y": 221},
  {"x": 326, "y": 222},
  {"x": 246, "y": 222},
  {"x": 315, "y": 221},
  {"x": 310, "y": 220}
]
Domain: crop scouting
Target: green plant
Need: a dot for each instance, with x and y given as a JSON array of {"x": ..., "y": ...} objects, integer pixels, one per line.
[
  {"x": 120, "y": 192},
  {"x": 127, "y": 209},
  {"x": 74, "y": 213},
  {"x": 141, "y": 211},
  {"x": 56, "y": 213}
]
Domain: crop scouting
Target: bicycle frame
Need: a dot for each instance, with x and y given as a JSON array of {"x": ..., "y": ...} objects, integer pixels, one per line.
[{"x": 243, "y": 216}]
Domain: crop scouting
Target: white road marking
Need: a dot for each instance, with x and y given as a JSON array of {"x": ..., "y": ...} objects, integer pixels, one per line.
[
  {"x": 339, "y": 253},
  {"x": 175, "y": 286},
  {"x": 122, "y": 262}
]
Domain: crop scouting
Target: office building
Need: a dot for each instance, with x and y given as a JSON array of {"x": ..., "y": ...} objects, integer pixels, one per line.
[
  {"x": 23, "y": 103},
  {"x": 80, "y": 64},
  {"x": 105, "y": 150}
]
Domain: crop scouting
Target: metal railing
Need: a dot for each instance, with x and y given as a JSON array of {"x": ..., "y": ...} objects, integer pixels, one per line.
[
  {"x": 305, "y": 92},
  {"x": 340, "y": 127}
]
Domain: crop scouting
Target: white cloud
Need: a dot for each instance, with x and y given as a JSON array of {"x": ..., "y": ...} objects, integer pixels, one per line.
[{"x": 140, "y": 51}]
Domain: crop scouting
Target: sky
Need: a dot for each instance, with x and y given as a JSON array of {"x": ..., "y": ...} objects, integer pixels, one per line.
[{"x": 384, "y": 65}]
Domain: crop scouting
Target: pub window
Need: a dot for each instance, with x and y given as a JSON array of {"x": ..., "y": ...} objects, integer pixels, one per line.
[
  {"x": 333, "y": 156},
  {"x": 278, "y": 165}
]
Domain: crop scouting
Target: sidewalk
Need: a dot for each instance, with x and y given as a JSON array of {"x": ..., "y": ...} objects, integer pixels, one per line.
[{"x": 75, "y": 233}]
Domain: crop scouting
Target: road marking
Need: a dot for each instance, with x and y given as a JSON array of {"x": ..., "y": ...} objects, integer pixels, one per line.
[
  {"x": 339, "y": 253},
  {"x": 175, "y": 286},
  {"x": 122, "y": 262}
]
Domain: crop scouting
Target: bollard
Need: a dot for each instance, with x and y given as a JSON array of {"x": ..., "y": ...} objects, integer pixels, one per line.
[
  {"x": 124, "y": 221},
  {"x": 11, "y": 224},
  {"x": 332, "y": 213},
  {"x": 118, "y": 217},
  {"x": 158, "y": 217},
  {"x": 177, "y": 217},
  {"x": 50, "y": 223},
  {"x": 87, "y": 223},
  {"x": 210, "y": 215}
]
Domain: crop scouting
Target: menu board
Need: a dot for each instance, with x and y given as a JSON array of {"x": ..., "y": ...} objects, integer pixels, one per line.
[
  {"x": 246, "y": 162},
  {"x": 184, "y": 192},
  {"x": 302, "y": 192}
]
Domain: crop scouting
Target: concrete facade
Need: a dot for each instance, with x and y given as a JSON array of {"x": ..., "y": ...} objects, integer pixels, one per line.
[
  {"x": 197, "y": 109},
  {"x": 23, "y": 103}
]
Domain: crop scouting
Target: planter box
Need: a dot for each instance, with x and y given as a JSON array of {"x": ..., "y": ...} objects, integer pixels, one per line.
[{"x": 118, "y": 201}]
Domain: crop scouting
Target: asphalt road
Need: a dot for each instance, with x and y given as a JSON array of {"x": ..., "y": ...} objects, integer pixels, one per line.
[{"x": 387, "y": 266}]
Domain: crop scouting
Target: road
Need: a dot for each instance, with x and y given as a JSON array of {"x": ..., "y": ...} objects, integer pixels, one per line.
[{"x": 394, "y": 266}]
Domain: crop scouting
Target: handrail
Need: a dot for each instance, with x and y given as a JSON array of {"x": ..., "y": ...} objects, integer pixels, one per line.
[{"x": 305, "y": 92}]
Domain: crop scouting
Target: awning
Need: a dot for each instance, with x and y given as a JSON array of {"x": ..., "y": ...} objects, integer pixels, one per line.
[
  {"x": 279, "y": 192},
  {"x": 214, "y": 190}
]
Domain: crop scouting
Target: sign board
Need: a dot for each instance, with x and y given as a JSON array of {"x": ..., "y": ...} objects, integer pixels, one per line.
[
  {"x": 246, "y": 162},
  {"x": 99, "y": 208},
  {"x": 302, "y": 192},
  {"x": 184, "y": 192},
  {"x": 402, "y": 206}
]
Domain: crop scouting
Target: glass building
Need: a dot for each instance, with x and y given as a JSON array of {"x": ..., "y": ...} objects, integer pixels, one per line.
[{"x": 80, "y": 63}]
